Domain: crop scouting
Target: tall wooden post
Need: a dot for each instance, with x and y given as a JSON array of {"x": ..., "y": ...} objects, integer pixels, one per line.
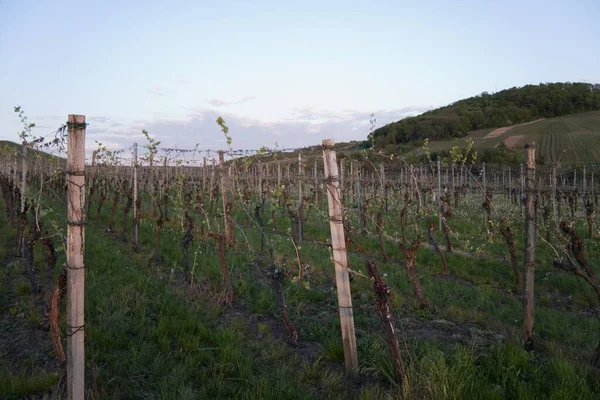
[
  {"x": 522, "y": 188},
  {"x": 383, "y": 186},
  {"x": 439, "y": 173},
  {"x": 226, "y": 216},
  {"x": 203, "y": 175},
  {"x": 278, "y": 174},
  {"x": 584, "y": 186},
  {"x": 23, "y": 191},
  {"x": 300, "y": 176},
  {"x": 135, "y": 195},
  {"x": 75, "y": 257},
  {"x": 554, "y": 205},
  {"x": 340, "y": 256},
  {"x": 530, "y": 230},
  {"x": 212, "y": 179},
  {"x": 359, "y": 200}
]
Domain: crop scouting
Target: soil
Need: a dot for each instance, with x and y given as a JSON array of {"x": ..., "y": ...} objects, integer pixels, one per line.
[
  {"x": 25, "y": 344},
  {"x": 512, "y": 141}
]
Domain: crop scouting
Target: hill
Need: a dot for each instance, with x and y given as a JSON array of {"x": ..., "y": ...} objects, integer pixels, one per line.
[
  {"x": 572, "y": 139},
  {"x": 505, "y": 108},
  {"x": 15, "y": 148}
]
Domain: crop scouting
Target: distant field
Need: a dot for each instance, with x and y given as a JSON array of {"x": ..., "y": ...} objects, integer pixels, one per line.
[{"x": 574, "y": 139}]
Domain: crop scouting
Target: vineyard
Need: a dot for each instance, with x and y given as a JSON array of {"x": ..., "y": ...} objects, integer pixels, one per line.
[
  {"x": 266, "y": 274},
  {"x": 571, "y": 140}
]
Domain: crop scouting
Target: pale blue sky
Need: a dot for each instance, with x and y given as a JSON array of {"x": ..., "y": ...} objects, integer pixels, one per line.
[{"x": 287, "y": 72}]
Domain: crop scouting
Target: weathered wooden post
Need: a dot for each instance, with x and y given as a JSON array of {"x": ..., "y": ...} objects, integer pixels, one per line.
[
  {"x": 212, "y": 179},
  {"x": 359, "y": 198},
  {"x": 554, "y": 205},
  {"x": 530, "y": 230},
  {"x": 226, "y": 216},
  {"x": 340, "y": 256},
  {"x": 522, "y": 188},
  {"x": 584, "y": 186},
  {"x": 278, "y": 174},
  {"x": 300, "y": 176},
  {"x": 439, "y": 173},
  {"x": 75, "y": 256},
  {"x": 23, "y": 193},
  {"x": 135, "y": 196}
]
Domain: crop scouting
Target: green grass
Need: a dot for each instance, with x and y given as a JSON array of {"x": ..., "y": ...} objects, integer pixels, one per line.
[{"x": 151, "y": 335}]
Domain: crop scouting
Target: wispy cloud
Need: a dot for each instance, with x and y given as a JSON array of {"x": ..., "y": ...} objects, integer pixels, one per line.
[
  {"x": 158, "y": 90},
  {"x": 98, "y": 119},
  {"x": 306, "y": 126},
  {"x": 219, "y": 103}
]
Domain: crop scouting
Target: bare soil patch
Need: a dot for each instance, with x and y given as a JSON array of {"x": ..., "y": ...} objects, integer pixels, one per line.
[
  {"x": 497, "y": 132},
  {"x": 512, "y": 141}
]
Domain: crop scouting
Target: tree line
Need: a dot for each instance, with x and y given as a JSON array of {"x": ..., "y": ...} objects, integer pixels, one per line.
[{"x": 504, "y": 108}]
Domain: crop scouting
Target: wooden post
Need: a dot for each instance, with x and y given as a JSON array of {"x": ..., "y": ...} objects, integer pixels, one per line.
[
  {"x": 278, "y": 174},
  {"x": 260, "y": 180},
  {"x": 553, "y": 177},
  {"x": 383, "y": 188},
  {"x": 300, "y": 176},
  {"x": 439, "y": 195},
  {"x": 203, "y": 175},
  {"x": 522, "y": 188},
  {"x": 75, "y": 257},
  {"x": 23, "y": 192},
  {"x": 530, "y": 230},
  {"x": 226, "y": 216},
  {"x": 359, "y": 200},
  {"x": 584, "y": 186},
  {"x": 484, "y": 182},
  {"x": 340, "y": 256},
  {"x": 135, "y": 195},
  {"x": 342, "y": 173},
  {"x": 212, "y": 179}
]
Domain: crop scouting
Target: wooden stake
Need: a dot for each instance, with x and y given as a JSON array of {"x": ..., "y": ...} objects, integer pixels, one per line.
[
  {"x": 135, "y": 196},
  {"x": 530, "y": 230},
  {"x": 340, "y": 256},
  {"x": 226, "y": 216},
  {"x": 23, "y": 192},
  {"x": 75, "y": 257},
  {"x": 439, "y": 173}
]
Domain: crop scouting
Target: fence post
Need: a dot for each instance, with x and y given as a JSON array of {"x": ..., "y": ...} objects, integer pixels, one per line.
[
  {"x": 340, "y": 256},
  {"x": 553, "y": 180},
  {"x": 522, "y": 188},
  {"x": 226, "y": 216},
  {"x": 135, "y": 196},
  {"x": 584, "y": 186},
  {"x": 530, "y": 230},
  {"x": 300, "y": 176},
  {"x": 75, "y": 256},
  {"x": 278, "y": 175},
  {"x": 23, "y": 192},
  {"x": 439, "y": 194},
  {"x": 359, "y": 200}
]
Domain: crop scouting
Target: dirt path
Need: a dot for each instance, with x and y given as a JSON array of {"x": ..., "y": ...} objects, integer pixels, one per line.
[{"x": 502, "y": 131}]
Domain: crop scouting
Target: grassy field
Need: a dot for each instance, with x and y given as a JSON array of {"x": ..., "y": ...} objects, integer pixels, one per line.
[{"x": 150, "y": 334}]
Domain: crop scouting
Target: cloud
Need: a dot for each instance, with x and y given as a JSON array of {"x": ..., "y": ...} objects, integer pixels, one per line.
[
  {"x": 158, "y": 90},
  {"x": 306, "y": 126},
  {"x": 97, "y": 119},
  {"x": 50, "y": 117},
  {"x": 219, "y": 103}
]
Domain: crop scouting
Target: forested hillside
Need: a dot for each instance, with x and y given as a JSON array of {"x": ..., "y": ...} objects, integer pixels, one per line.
[{"x": 505, "y": 108}]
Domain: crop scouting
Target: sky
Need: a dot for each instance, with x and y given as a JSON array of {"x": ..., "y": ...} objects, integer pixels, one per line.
[{"x": 281, "y": 73}]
